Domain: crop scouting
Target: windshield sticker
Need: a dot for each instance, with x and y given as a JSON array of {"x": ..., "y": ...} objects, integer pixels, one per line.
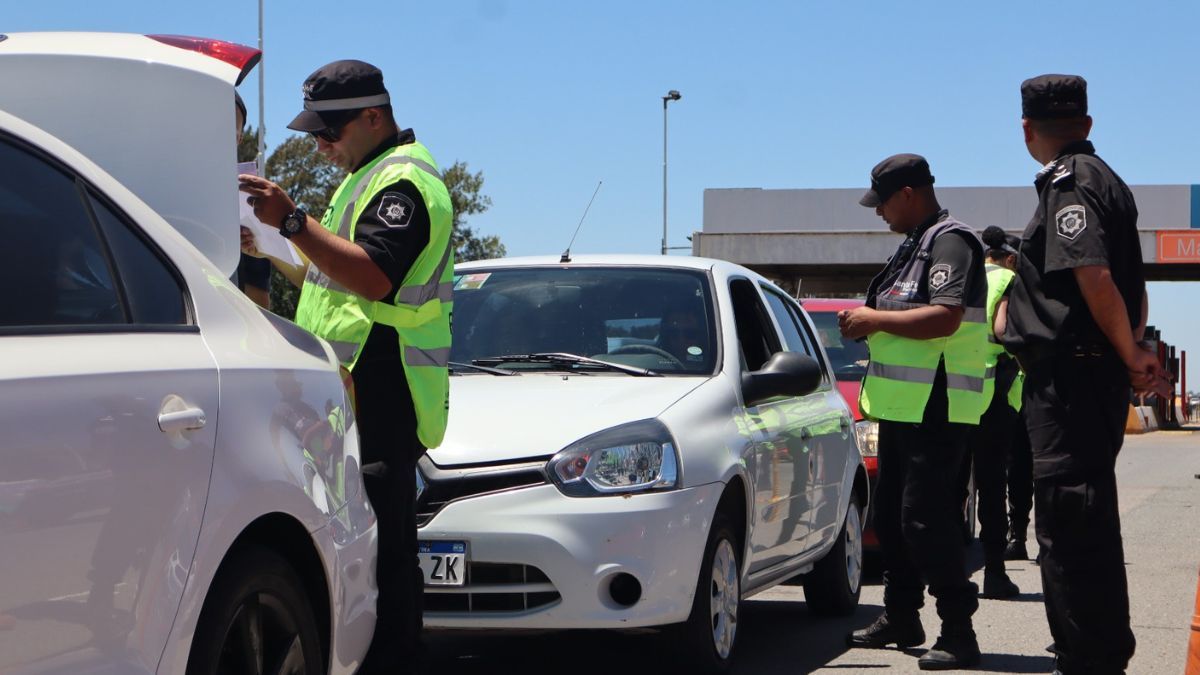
[
  {"x": 471, "y": 282},
  {"x": 695, "y": 351}
]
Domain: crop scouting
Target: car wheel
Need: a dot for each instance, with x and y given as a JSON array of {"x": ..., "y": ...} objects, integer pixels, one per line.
[
  {"x": 709, "y": 636},
  {"x": 256, "y": 620},
  {"x": 833, "y": 586}
]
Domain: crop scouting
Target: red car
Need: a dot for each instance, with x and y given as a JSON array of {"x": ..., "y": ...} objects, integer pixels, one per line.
[{"x": 849, "y": 361}]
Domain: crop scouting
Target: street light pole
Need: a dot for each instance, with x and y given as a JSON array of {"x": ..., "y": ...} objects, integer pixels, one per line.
[
  {"x": 671, "y": 96},
  {"x": 262, "y": 134}
]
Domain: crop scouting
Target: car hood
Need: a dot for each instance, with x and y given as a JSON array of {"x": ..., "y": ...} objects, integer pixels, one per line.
[{"x": 498, "y": 419}]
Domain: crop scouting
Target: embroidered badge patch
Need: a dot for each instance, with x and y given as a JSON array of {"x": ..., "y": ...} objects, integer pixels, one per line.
[
  {"x": 396, "y": 209},
  {"x": 1070, "y": 221},
  {"x": 939, "y": 275}
]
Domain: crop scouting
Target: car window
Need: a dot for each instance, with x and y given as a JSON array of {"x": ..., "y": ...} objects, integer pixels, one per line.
[
  {"x": 661, "y": 319},
  {"x": 155, "y": 297},
  {"x": 53, "y": 265},
  {"x": 756, "y": 335},
  {"x": 780, "y": 307},
  {"x": 847, "y": 357},
  {"x": 797, "y": 331}
]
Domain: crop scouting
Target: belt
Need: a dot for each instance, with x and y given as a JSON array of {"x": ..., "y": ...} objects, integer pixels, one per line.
[{"x": 1039, "y": 352}]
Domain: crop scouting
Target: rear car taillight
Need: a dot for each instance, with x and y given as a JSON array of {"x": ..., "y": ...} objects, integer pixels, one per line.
[{"x": 239, "y": 56}]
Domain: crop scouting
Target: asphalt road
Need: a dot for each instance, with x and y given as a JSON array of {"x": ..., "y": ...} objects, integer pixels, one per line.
[{"x": 1160, "y": 510}]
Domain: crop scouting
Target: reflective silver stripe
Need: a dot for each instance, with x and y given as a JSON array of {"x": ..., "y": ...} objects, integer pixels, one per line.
[
  {"x": 964, "y": 382},
  {"x": 416, "y": 296},
  {"x": 348, "y": 103},
  {"x": 419, "y": 295},
  {"x": 345, "y": 350},
  {"x": 415, "y": 356},
  {"x": 990, "y": 373},
  {"x": 896, "y": 305},
  {"x": 901, "y": 373}
]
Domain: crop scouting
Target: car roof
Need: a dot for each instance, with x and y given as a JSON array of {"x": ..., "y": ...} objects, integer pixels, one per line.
[{"x": 172, "y": 143}]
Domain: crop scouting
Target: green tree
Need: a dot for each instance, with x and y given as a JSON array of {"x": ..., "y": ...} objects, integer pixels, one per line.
[{"x": 468, "y": 199}]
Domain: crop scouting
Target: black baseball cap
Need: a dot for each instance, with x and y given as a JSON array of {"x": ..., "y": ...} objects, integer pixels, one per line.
[
  {"x": 1048, "y": 97},
  {"x": 336, "y": 91},
  {"x": 893, "y": 174}
]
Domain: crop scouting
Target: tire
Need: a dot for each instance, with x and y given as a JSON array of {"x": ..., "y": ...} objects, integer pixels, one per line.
[
  {"x": 709, "y": 637},
  {"x": 833, "y": 586},
  {"x": 257, "y": 597}
]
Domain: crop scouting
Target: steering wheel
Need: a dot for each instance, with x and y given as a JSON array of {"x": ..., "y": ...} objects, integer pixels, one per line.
[{"x": 649, "y": 349}]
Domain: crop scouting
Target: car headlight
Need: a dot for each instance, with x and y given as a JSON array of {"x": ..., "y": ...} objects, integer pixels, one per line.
[
  {"x": 867, "y": 432},
  {"x": 635, "y": 457}
]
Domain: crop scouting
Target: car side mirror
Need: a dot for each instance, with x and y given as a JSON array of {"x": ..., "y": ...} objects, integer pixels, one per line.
[{"x": 784, "y": 374}]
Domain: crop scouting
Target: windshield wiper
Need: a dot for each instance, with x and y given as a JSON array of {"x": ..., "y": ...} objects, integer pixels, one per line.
[
  {"x": 564, "y": 359},
  {"x": 482, "y": 369}
]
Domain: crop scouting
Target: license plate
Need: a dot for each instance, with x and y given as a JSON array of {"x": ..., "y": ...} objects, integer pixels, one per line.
[{"x": 443, "y": 562}]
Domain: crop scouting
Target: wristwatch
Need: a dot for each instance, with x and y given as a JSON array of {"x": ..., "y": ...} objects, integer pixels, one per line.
[{"x": 293, "y": 223}]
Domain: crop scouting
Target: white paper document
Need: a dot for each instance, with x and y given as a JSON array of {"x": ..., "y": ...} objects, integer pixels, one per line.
[{"x": 266, "y": 238}]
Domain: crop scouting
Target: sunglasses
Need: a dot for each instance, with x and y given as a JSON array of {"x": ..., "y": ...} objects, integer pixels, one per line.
[{"x": 333, "y": 134}]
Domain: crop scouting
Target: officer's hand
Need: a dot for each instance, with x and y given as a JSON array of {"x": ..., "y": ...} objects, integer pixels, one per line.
[
  {"x": 857, "y": 322},
  {"x": 249, "y": 245},
  {"x": 271, "y": 204},
  {"x": 1146, "y": 374}
]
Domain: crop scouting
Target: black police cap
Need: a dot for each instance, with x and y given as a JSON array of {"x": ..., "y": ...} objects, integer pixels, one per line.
[
  {"x": 893, "y": 174},
  {"x": 335, "y": 91},
  {"x": 1054, "y": 97}
]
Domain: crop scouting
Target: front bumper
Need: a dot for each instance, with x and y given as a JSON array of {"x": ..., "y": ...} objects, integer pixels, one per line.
[{"x": 545, "y": 560}]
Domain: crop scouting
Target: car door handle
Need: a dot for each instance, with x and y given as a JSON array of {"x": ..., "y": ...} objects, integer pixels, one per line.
[
  {"x": 176, "y": 415},
  {"x": 845, "y": 423}
]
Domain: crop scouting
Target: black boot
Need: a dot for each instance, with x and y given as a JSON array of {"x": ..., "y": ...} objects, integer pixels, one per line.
[
  {"x": 902, "y": 633},
  {"x": 951, "y": 652},
  {"x": 997, "y": 586}
]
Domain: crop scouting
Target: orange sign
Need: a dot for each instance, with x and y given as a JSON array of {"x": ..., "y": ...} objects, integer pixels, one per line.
[{"x": 1179, "y": 246}]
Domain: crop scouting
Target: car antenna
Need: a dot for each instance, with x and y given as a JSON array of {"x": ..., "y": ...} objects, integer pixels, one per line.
[{"x": 566, "y": 256}]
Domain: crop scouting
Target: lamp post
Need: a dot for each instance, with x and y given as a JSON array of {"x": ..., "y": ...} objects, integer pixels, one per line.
[{"x": 671, "y": 96}]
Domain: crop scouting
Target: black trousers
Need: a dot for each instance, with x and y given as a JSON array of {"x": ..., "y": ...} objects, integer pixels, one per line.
[
  {"x": 1075, "y": 411},
  {"x": 390, "y": 450},
  {"x": 918, "y": 517},
  {"x": 990, "y": 443},
  {"x": 1020, "y": 482}
]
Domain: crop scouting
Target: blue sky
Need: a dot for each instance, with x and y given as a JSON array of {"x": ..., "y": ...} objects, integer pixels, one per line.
[{"x": 547, "y": 97}]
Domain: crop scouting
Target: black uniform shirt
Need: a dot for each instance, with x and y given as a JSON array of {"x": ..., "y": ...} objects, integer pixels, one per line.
[
  {"x": 1085, "y": 216},
  {"x": 956, "y": 277},
  {"x": 393, "y": 229}
]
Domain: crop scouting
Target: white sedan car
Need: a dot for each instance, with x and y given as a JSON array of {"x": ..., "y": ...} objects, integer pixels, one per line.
[
  {"x": 636, "y": 441},
  {"x": 179, "y": 480}
]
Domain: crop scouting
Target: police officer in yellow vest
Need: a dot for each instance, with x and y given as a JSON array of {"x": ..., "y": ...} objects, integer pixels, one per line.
[
  {"x": 925, "y": 325},
  {"x": 377, "y": 286},
  {"x": 991, "y": 441}
]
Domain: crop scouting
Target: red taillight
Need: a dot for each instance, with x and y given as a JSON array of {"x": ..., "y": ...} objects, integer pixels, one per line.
[{"x": 239, "y": 56}]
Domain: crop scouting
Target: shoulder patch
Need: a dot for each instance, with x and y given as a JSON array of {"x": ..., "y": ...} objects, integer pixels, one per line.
[
  {"x": 1070, "y": 221},
  {"x": 396, "y": 209},
  {"x": 938, "y": 275}
]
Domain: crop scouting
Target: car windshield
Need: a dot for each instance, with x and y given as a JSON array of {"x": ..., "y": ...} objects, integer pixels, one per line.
[
  {"x": 849, "y": 357},
  {"x": 655, "y": 319}
]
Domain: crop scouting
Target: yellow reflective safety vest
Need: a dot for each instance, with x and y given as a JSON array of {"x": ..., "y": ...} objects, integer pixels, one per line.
[
  {"x": 420, "y": 311},
  {"x": 902, "y": 370},
  {"x": 999, "y": 279}
]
